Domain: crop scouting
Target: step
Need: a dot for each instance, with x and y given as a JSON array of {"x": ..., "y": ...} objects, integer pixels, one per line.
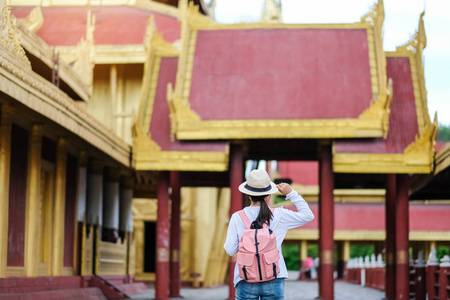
[{"x": 92, "y": 293}]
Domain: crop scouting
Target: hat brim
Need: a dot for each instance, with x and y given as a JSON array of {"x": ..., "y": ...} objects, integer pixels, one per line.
[{"x": 244, "y": 190}]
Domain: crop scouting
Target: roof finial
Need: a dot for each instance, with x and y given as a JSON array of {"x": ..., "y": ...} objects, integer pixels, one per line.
[{"x": 271, "y": 11}]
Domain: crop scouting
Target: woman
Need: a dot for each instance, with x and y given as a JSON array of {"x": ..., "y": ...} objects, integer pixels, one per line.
[{"x": 259, "y": 187}]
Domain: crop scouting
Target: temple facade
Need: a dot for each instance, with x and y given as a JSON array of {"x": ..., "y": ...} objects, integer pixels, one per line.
[{"x": 126, "y": 127}]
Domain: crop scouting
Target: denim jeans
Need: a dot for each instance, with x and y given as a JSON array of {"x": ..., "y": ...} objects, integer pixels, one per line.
[{"x": 268, "y": 290}]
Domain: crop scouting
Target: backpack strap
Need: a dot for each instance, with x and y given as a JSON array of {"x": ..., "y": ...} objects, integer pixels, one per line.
[{"x": 244, "y": 219}]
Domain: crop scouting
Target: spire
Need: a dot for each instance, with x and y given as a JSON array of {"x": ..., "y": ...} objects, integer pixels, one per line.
[{"x": 271, "y": 12}]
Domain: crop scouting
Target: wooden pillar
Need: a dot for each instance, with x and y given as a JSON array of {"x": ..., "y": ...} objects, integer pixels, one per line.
[
  {"x": 162, "y": 238},
  {"x": 94, "y": 199},
  {"x": 32, "y": 202},
  {"x": 345, "y": 257},
  {"x": 402, "y": 230},
  {"x": 326, "y": 224},
  {"x": 390, "y": 279},
  {"x": 175, "y": 236},
  {"x": 303, "y": 256},
  {"x": 6, "y": 112},
  {"x": 59, "y": 208},
  {"x": 126, "y": 206},
  {"x": 81, "y": 206},
  {"x": 236, "y": 176},
  {"x": 111, "y": 205}
]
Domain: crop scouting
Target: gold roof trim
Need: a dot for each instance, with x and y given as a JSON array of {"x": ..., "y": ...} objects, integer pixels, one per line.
[
  {"x": 187, "y": 124},
  {"x": 147, "y": 153},
  {"x": 9, "y": 37},
  {"x": 107, "y": 54},
  {"x": 366, "y": 235},
  {"x": 442, "y": 159},
  {"x": 37, "y": 47},
  {"x": 418, "y": 157},
  {"x": 84, "y": 63},
  {"x": 34, "y": 20}
]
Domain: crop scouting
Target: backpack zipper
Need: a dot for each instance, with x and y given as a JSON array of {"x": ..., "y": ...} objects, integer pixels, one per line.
[{"x": 257, "y": 254}]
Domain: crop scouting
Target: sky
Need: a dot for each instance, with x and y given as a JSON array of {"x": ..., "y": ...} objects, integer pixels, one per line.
[{"x": 400, "y": 23}]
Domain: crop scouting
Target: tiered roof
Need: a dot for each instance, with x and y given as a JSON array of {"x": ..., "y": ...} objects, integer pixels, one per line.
[
  {"x": 410, "y": 143},
  {"x": 267, "y": 80}
]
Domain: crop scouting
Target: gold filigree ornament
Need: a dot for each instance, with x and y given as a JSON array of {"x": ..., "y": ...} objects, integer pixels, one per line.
[
  {"x": 34, "y": 20},
  {"x": 180, "y": 111},
  {"x": 84, "y": 64},
  {"x": 380, "y": 109},
  {"x": 422, "y": 150},
  {"x": 9, "y": 38}
]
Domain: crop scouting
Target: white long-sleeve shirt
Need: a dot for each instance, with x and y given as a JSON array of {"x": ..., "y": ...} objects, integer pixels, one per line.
[{"x": 282, "y": 220}]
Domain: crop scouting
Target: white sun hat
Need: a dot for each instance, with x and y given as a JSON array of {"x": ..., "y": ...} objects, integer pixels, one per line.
[{"x": 258, "y": 184}]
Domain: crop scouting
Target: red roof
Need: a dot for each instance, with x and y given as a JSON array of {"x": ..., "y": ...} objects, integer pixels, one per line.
[
  {"x": 360, "y": 216},
  {"x": 114, "y": 25},
  {"x": 160, "y": 122},
  {"x": 281, "y": 74},
  {"x": 403, "y": 118}
]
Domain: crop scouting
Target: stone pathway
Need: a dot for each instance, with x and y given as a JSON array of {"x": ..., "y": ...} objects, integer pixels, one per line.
[{"x": 298, "y": 290}]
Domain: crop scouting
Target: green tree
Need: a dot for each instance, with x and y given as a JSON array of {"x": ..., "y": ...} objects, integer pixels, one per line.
[
  {"x": 443, "y": 133},
  {"x": 441, "y": 251},
  {"x": 291, "y": 254},
  {"x": 361, "y": 250}
]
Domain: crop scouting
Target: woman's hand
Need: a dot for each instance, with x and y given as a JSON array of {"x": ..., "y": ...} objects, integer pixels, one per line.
[{"x": 284, "y": 188}]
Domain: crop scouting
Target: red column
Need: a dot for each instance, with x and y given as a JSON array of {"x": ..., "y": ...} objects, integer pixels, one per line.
[
  {"x": 402, "y": 230},
  {"x": 175, "y": 236},
  {"x": 162, "y": 238},
  {"x": 390, "y": 279},
  {"x": 326, "y": 225},
  {"x": 236, "y": 178}
]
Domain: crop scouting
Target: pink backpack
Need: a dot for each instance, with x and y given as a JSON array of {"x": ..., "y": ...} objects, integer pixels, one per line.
[{"x": 258, "y": 255}]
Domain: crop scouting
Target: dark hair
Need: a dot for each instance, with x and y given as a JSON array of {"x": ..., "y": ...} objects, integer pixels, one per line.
[{"x": 265, "y": 214}]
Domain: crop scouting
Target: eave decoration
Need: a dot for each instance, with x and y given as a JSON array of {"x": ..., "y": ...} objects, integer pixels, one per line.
[
  {"x": 35, "y": 46},
  {"x": 147, "y": 153},
  {"x": 418, "y": 157},
  {"x": 187, "y": 124},
  {"x": 9, "y": 37}
]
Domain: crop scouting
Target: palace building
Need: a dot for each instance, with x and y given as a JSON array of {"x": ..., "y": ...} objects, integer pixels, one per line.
[{"x": 126, "y": 127}]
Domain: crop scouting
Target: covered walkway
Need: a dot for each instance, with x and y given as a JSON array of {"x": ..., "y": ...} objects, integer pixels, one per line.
[{"x": 298, "y": 290}]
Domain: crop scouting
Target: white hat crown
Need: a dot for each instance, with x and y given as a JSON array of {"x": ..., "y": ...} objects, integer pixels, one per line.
[{"x": 258, "y": 184}]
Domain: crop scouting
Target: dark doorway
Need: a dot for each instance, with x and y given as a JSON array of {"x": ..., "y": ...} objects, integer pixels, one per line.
[{"x": 149, "y": 247}]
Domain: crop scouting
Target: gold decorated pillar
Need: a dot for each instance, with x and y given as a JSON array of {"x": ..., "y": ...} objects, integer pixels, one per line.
[
  {"x": 32, "y": 202},
  {"x": 59, "y": 212},
  {"x": 345, "y": 256},
  {"x": 5, "y": 155},
  {"x": 303, "y": 256}
]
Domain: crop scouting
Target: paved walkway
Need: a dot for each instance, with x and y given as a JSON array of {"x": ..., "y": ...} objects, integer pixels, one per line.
[{"x": 298, "y": 290}]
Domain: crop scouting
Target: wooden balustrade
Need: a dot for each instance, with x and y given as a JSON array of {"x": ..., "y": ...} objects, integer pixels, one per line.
[
  {"x": 431, "y": 278},
  {"x": 110, "y": 258},
  {"x": 444, "y": 276}
]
